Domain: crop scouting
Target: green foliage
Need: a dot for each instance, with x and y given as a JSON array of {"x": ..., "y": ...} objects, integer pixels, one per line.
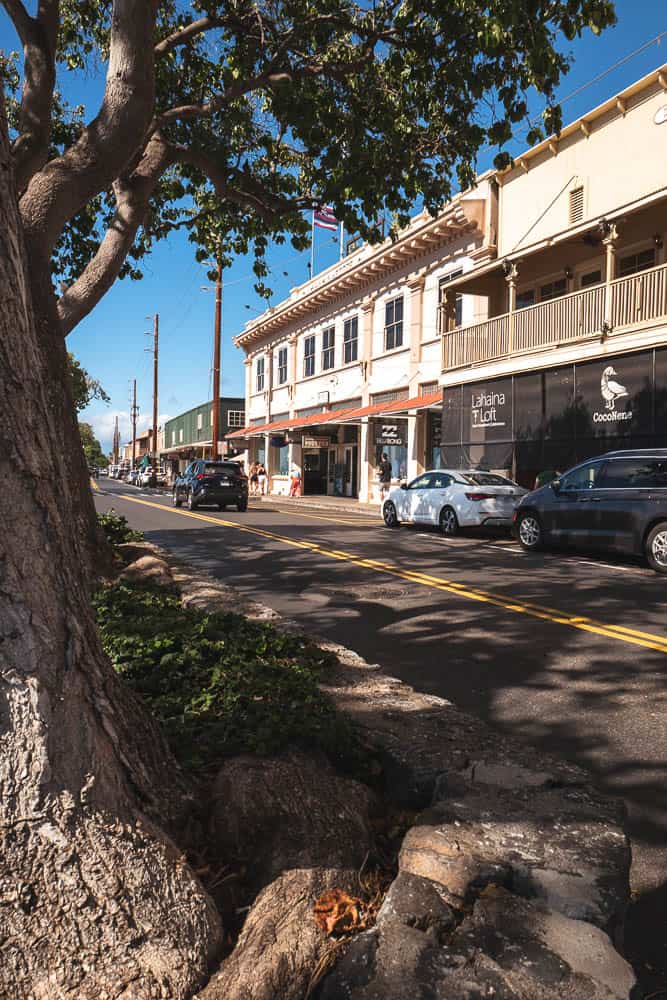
[
  {"x": 370, "y": 108},
  {"x": 218, "y": 683},
  {"x": 91, "y": 447},
  {"x": 85, "y": 388},
  {"x": 116, "y": 528}
]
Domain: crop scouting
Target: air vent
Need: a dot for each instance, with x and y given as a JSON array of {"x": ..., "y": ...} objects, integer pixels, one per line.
[{"x": 576, "y": 205}]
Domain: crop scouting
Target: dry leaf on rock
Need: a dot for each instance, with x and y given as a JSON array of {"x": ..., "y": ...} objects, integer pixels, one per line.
[{"x": 336, "y": 912}]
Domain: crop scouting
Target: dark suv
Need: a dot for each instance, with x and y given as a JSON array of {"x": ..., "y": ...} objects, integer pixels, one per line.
[
  {"x": 616, "y": 501},
  {"x": 214, "y": 483}
]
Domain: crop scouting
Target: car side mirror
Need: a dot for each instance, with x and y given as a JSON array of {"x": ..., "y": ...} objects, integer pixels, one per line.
[
  {"x": 404, "y": 486},
  {"x": 555, "y": 486}
]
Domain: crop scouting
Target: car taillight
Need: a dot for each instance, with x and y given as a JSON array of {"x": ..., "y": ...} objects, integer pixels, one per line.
[
  {"x": 200, "y": 476},
  {"x": 481, "y": 496}
]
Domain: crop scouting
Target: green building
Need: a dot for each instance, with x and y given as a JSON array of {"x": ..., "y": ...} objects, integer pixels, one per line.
[{"x": 189, "y": 435}]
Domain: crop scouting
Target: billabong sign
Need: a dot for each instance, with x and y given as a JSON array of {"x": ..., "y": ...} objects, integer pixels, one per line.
[{"x": 390, "y": 434}]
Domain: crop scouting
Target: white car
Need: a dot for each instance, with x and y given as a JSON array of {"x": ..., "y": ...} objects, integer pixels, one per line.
[{"x": 453, "y": 499}]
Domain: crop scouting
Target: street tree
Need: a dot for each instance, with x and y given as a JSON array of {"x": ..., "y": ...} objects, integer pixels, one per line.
[
  {"x": 229, "y": 119},
  {"x": 85, "y": 388},
  {"x": 92, "y": 448}
]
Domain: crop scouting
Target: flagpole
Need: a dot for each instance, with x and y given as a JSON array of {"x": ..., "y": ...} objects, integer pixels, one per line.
[
  {"x": 342, "y": 235},
  {"x": 312, "y": 246}
]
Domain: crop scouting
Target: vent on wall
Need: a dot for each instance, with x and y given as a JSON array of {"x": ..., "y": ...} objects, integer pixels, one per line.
[{"x": 577, "y": 204}]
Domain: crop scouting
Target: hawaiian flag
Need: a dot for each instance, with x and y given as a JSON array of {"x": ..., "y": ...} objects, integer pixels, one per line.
[{"x": 324, "y": 218}]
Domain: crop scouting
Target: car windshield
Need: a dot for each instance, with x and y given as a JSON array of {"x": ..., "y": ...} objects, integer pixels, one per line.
[
  {"x": 218, "y": 468},
  {"x": 485, "y": 479}
]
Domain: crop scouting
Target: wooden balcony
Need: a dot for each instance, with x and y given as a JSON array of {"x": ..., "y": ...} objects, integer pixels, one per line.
[{"x": 622, "y": 305}]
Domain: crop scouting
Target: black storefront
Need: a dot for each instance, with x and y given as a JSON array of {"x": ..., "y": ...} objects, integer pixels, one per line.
[{"x": 551, "y": 419}]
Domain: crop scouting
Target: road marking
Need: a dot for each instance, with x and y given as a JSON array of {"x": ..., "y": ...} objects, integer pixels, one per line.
[{"x": 648, "y": 640}]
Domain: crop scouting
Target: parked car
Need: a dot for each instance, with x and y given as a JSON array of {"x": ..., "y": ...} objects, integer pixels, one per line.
[
  {"x": 132, "y": 477},
  {"x": 213, "y": 483},
  {"x": 453, "y": 499},
  {"x": 616, "y": 501},
  {"x": 145, "y": 476}
]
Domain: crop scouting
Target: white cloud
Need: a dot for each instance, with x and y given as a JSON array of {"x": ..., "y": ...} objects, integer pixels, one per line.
[{"x": 103, "y": 424}]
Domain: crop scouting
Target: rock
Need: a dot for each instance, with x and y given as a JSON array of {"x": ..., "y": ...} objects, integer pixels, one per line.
[
  {"x": 557, "y": 844},
  {"x": 507, "y": 948},
  {"x": 148, "y": 569},
  {"x": 301, "y": 830},
  {"x": 417, "y": 902}
]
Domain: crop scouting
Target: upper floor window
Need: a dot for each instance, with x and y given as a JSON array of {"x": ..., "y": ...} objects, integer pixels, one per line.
[
  {"x": 282, "y": 365},
  {"x": 591, "y": 278},
  {"x": 328, "y": 343},
  {"x": 635, "y": 262},
  {"x": 576, "y": 204},
  {"x": 458, "y": 298},
  {"x": 259, "y": 376},
  {"x": 210, "y": 417},
  {"x": 199, "y": 421},
  {"x": 350, "y": 339},
  {"x": 173, "y": 437},
  {"x": 553, "y": 289},
  {"x": 309, "y": 357},
  {"x": 180, "y": 434},
  {"x": 393, "y": 323},
  {"x": 235, "y": 418},
  {"x": 525, "y": 298}
]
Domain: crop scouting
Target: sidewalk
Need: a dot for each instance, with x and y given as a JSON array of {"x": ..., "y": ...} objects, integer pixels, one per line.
[{"x": 338, "y": 505}]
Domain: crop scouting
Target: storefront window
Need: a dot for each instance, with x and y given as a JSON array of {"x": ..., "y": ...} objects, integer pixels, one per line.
[
  {"x": 391, "y": 439},
  {"x": 434, "y": 446},
  {"x": 452, "y": 409},
  {"x": 614, "y": 397},
  {"x": 487, "y": 411},
  {"x": 281, "y": 465},
  {"x": 398, "y": 456}
]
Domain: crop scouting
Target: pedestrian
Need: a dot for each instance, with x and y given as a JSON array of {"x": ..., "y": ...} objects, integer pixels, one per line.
[
  {"x": 261, "y": 476},
  {"x": 295, "y": 486},
  {"x": 254, "y": 479},
  {"x": 384, "y": 472}
]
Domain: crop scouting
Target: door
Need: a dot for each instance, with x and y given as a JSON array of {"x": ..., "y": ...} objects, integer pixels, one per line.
[
  {"x": 630, "y": 490},
  {"x": 314, "y": 472},
  {"x": 331, "y": 473},
  {"x": 414, "y": 503},
  {"x": 571, "y": 515},
  {"x": 350, "y": 471},
  {"x": 434, "y": 498}
]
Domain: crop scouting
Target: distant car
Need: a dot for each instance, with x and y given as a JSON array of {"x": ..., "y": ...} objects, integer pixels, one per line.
[
  {"x": 103, "y": 472},
  {"x": 453, "y": 499},
  {"x": 616, "y": 501},
  {"x": 145, "y": 476},
  {"x": 132, "y": 477},
  {"x": 212, "y": 483}
]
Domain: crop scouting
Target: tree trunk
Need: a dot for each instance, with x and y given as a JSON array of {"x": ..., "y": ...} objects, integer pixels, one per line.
[{"x": 95, "y": 900}]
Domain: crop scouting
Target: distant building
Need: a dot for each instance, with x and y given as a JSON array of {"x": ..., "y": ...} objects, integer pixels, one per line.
[
  {"x": 189, "y": 435},
  {"x": 143, "y": 446}
]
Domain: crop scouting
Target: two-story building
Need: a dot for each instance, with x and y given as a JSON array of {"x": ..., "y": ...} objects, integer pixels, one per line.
[
  {"x": 522, "y": 329},
  {"x": 347, "y": 367},
  {"x": 569, "y": 356},
  {"x": 189, "y": 435}
]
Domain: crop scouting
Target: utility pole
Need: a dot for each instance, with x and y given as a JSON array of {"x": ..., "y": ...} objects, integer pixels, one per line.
[
  {"x": 154, "y": 457},
  {"x": 116, "y": 442},
  {"x": 134, "y": 412},
  {"x": 215, "y": 430}
]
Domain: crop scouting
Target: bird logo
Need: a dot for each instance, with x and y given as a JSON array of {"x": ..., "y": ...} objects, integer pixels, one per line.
[{"x": 611, "y": 390}]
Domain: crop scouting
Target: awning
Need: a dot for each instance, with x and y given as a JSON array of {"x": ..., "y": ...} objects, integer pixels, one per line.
[
  {"x": 424, "y": 402},
  {"x": 275, "y": 426}
]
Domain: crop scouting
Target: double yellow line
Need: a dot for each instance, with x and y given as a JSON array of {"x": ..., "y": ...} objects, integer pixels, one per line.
[{"x": 647, "y": 640}]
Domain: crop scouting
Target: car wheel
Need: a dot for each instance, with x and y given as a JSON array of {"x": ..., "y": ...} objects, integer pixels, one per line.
[
  {"x": 175, "y": 499},
  {"x": 390, "y": 516},
  {"x": 449, "y": 523},
  {"x": 191, "y": 501},
  {"x": 656, "y": 547},
  {"x": 241, "y": 506},
  {"x": 530, "y": 532}
]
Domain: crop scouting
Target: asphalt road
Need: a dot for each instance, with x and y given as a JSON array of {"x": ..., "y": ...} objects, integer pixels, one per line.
[{"x": 567, "y": 652}]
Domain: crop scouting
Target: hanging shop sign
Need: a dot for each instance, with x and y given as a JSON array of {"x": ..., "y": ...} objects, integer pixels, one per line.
[
  {"x": 390, "y": 435},
  {"x": 315, "y": 442}
]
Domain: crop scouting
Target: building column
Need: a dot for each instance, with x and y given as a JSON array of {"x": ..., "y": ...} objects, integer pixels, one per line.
[
  {"x": 366, "y": 353},
  {"x": 416, "y": 286},
  {"x": 268, "y": 382},
  {"x": 365, "y": 462},
  {"x": 609, "y": 240},
  {"x": 511, "y": 277},
  {"x": 415, "y": 464}
]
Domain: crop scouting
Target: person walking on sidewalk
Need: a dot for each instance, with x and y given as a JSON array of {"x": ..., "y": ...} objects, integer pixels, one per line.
[
  {"x": 295, "y": 485},
  {"x": 261, "y": 476},
  {"x": 384, "y": 470},
  {"x": 254, "y": 479}
]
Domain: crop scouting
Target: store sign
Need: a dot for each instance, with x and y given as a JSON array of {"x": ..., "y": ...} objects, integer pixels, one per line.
[
  {"x": 390, "y": 435},
  {"x": 315, "y": 442},
  {"x": 488, "y": 409},
  {"x": 614, "y": 395}
]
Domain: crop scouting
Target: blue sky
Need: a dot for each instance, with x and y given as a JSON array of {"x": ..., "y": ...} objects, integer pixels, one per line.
[{"x": 111, "y": 344}]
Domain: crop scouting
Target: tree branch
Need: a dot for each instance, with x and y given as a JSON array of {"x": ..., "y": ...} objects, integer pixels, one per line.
[
  {"x": 21, "y": 19},
  {"x": 132, "y": 198},
  {"x": 253, "y": 196},
  {"x": 111, "y": 141},
  {"x": 185, "y": 34}
]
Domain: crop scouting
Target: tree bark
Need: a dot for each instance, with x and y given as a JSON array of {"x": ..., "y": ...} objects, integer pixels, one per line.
[{"x": 95, "y": 900}]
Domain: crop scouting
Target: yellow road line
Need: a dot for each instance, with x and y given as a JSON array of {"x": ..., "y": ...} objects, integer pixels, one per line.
[
  {"x": 647, "y": 640},
  {"x": 349, "y": 519}
]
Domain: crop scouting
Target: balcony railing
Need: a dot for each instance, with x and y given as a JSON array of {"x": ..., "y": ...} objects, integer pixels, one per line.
[{"x": 624, "y": 303}]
